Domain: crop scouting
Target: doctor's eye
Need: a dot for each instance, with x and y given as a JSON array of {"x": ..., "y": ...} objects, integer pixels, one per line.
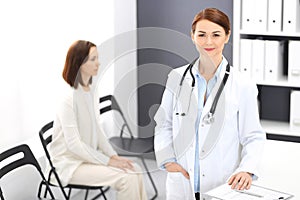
[
  {"x": 216, "y": 35},
  {"x": 201, "y": 35}
]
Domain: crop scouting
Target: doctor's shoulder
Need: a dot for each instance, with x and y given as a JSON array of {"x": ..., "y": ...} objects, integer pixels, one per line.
[
  {"x": 177, "y": 72},
  {"x": 180, "y": 69},
  {"x": 174, "y": 78}
]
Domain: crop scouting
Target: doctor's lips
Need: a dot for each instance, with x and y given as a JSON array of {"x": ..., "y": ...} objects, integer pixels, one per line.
[{"x": 209, "y": 49}]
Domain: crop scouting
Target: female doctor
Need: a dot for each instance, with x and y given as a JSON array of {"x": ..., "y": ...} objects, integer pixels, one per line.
[{"x": 201, "y": 151}]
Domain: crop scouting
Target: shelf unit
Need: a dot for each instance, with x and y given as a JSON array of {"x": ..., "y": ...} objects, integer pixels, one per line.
[
  {"x": 277, "y": 127},
  {"x": 283, "y": 82},
  {"x": 279, "y": 34},
  {"x": 271, "y": 126}
]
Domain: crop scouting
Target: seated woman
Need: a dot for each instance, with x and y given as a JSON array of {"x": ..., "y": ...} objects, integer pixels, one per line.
[{"x": 80, "y": 150}]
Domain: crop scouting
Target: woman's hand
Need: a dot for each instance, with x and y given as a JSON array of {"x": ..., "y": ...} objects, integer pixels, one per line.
[
  {"x": 175, "y": 167},
  {"x": 241, "y": 181},
  {"x": 122, "y": 163}
]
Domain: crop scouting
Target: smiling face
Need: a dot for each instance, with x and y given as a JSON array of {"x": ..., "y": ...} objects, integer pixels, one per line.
[{"x": 210, "y": 38}]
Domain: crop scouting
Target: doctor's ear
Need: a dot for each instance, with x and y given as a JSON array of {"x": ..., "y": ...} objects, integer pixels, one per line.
[
  {"x": 192, "y": 37},
  {"x": 227, "y": 37},
  {"x": 193, "y": 41}
]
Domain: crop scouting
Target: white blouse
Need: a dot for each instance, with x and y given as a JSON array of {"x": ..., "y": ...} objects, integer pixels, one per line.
[{"x": 77, "y": 138}]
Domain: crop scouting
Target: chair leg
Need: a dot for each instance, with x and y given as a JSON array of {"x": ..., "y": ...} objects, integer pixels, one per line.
[
  {"x": 103, "y": 193},
  {"x": 49, "y": 189},
  {"x": 149, "y": 175},
  {"x": 46, "y": 191},
  {"x": 1, "y": 195},
  {"x": 69, "y": 193},
  {"x": 39, "y": 191},
  {"x": 86, "y": 194}
]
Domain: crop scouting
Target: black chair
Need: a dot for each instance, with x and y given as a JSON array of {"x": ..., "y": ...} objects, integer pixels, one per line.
[
  {"x": 26, "y": 159},
  {"x": 129, "y": 146},
  {"x": 46, "y": 138}
]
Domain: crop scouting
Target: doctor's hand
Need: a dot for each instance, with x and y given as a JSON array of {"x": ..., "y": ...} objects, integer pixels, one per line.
[
  {"x": 241, "y": 181},
  {"x": 175, "y": 167}
]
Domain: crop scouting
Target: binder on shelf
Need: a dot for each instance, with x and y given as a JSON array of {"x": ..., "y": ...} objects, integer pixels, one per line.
[
  {"x": 246, "y": 56},
  {"x": 291, "y": 16},
  {"x": 247, "y": 15},
  {"x": 274, "y": 51},
  {"x": 295, "y": 111},
  {"x": 293, "y": 61},
  {"x": 258, "y": 59},
  {"x": 274, "y": 15},
  {"x": 260, "y": 15}
]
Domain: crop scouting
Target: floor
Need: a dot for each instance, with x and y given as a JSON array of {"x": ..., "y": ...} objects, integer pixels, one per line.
[{"x": 158, "y": 176}]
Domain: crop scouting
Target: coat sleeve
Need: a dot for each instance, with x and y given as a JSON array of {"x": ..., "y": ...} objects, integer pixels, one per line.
[
  {"x": 75, "y": 145},
  {"x": 103, "y": 143},
  {"x": 251, "y": 134},
  {"x": 163, "y": 137}
]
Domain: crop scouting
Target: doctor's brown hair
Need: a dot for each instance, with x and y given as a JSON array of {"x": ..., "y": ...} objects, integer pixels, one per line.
[
  {"x": 213, "y": 15},
  {"x": 77, "y": 55}
]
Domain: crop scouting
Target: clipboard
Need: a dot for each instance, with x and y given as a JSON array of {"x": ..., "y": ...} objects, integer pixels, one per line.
[{"x": 224, "y": 192}]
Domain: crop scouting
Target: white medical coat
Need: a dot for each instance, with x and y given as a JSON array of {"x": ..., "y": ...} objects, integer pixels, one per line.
[{"x": 240, "y": 140}]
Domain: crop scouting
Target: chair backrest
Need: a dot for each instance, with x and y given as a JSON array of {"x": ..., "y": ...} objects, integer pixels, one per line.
[
  {"x": 46, "y": 138},
  {"x": 26, "y": 158},
  {"x": 113, "y": 105}
]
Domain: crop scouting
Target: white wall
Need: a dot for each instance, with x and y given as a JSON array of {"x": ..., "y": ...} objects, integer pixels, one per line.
[
  {"x": 125, "y": 65},
  {"x": 35, "y": 36}
]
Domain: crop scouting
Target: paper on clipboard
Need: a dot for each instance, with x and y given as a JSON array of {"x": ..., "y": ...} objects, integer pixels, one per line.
[{"x": 224, "y": 192}]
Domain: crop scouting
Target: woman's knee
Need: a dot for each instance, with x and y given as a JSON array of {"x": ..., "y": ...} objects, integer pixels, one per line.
[
  {"x": 137, "y": 168},
  {"x": 128, "y": 180}
]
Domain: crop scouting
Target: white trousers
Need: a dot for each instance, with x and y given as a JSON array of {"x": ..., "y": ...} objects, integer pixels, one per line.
[{"x": 129, "y": 185}]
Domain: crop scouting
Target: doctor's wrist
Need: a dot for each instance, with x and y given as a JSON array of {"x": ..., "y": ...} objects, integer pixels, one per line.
[{"x": 168, "y": 164}]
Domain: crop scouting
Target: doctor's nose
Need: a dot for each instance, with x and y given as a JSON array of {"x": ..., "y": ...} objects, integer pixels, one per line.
[{"x": 208, "y": 40}]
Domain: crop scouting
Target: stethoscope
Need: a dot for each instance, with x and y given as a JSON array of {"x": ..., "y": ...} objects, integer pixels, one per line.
[{"x": 209, "y": 117}]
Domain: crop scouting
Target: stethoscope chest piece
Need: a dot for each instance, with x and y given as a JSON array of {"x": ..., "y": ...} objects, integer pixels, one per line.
[{"x": 208, "y": 118}]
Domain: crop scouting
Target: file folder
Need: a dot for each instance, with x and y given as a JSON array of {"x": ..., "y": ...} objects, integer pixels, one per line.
[
  {"x": 291, "y": 16},
  {"x": 260, "y": 13},
  {"x": 258, "y": 58},
  {"x": 293, "y": 61},
  {"x": 247, "y": 15},
  {"x": 246, "y": 56},
  {"x": 274, "y": 51},
  {"x": 274, "y": 15},
  {"x": 295, "y": 111}
]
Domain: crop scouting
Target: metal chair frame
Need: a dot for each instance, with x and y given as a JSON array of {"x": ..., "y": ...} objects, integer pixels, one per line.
[
  {"x": 47, "y": 140},
  {"x": 27, "y": 159},
  {"x": 129, "y": 146}
]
